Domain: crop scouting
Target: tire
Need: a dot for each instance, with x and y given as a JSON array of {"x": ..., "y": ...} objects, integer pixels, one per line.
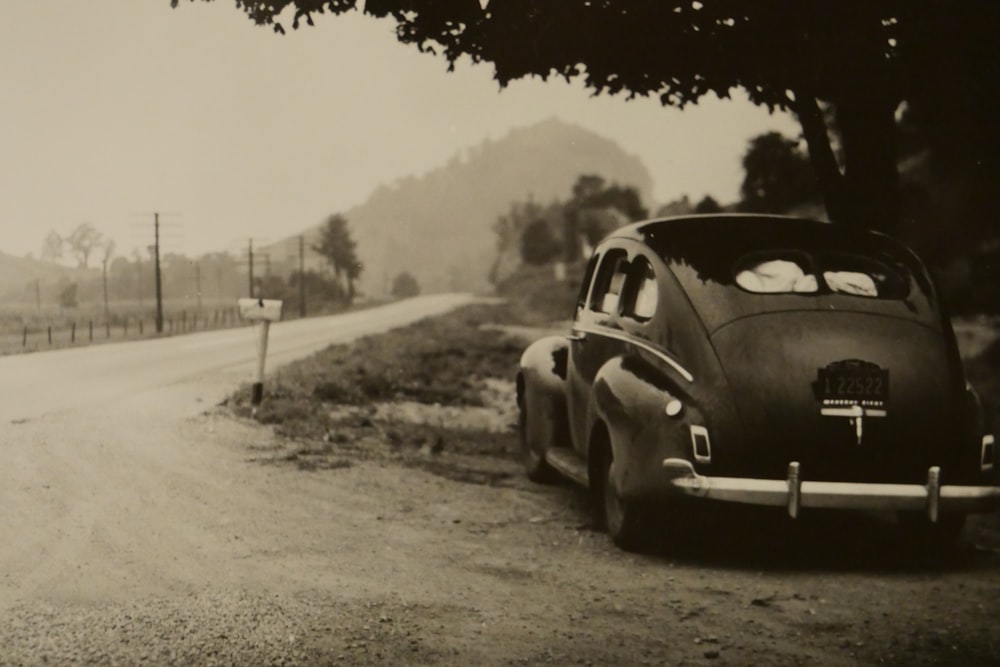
[
  {"x": 535, "y": 466},
  {"x": 923, "y": 538},
  {"x": 624, "y": 520}
]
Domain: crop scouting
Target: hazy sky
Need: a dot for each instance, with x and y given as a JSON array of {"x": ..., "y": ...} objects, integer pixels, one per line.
[{"x": 113, "y": 109}]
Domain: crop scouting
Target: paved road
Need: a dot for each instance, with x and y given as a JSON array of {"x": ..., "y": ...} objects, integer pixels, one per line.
[{"x": 36, "y": 384}]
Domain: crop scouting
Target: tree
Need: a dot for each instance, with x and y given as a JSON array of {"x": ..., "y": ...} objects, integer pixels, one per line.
[
  {"x": 82, "y": 241},
  {"x": 595, "y": 209},
  {"x": 52, "y": 247},
  {"x": 404, "y": 285},
  {"x": 338, "y": 248},
  {"x": 538, "y": 244},
  {"x": 109, "y": 250},
  {"x": 776, "y": 175},
  {"x": 68, "y": 296},
  {"x": 860, "y": 59},
  {"x": 510, "y": 230},
  {"x": 707, "y": 205}
]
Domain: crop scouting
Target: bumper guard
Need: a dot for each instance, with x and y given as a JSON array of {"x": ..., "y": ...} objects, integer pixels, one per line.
[{"x": 793, "y": 493}]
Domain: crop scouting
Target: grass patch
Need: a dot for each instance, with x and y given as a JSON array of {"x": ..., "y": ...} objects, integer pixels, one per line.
[
  {"x": 327, "y": 406},
  {"x": 441, "y": 360}
]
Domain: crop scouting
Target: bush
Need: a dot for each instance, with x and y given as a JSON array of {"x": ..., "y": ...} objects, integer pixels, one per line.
[
  {"x": 538, "y": 244},
  {"x": 404, "y": 285}
]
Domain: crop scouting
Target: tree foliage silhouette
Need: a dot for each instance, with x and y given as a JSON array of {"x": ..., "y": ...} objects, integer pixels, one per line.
[
  {"x": 595, "y": 209},
  {"x": 82, "y": 242},
  {"x": 707, "y": 205},
  {"x": 777, "y": 176},
  {"x": 539, "y": 244},
  {"x": 339, "y": 250},
  {"x": 404, "y": 285}
]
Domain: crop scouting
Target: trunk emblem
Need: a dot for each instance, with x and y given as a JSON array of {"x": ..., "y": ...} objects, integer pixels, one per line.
[{"x": 853, "y": 389}]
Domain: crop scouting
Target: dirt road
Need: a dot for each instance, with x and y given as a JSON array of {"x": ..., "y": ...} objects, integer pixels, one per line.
[{"x": 141, "y": 529}]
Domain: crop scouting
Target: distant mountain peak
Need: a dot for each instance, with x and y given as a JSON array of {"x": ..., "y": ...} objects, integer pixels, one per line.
[{"x": 439, "y": 225}]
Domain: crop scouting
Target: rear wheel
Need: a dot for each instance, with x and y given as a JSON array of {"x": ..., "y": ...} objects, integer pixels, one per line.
[
  {"x": 931, "y": 539},
  {"x": 533, "y": 432},
  {"x": 624, "y": 519}
]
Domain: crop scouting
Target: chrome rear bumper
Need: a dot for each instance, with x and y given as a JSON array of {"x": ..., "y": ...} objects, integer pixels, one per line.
[{"x": 794, "y": 493}]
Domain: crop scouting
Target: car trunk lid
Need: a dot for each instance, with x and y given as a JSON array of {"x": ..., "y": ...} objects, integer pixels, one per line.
[{"x": 850, "y": 396}]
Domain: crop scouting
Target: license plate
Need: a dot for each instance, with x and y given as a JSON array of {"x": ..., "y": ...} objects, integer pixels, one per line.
[{"x": 850, "y": 381}]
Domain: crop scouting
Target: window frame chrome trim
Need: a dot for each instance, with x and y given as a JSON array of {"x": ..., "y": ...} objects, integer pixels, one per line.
[{"x": 638, "y": 342}]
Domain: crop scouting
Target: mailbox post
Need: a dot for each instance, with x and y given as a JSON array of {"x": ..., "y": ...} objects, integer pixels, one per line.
[{"x": 263, "y": 311}]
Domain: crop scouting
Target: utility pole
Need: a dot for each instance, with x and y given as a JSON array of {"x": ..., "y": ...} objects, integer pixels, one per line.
[
  {"x": 302, "y": 275},
  {"x": 104, "y": 280},
  {"x": 250, "y": 259},
  {"x": 197, "y": 284},
  {"x": 138, "y": 271},
  {"x": 159, "y": 289}
]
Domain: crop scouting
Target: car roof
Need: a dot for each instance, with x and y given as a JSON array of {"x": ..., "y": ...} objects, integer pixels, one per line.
[
  {"x": 702, "y": 251},
  {"x": 644, "y": 229}
]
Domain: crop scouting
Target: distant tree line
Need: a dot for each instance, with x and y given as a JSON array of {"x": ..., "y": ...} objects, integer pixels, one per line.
[
  {"x": 778, "y": 177},
  {"x": 212, "y": 276},
  {"x": 537, "y": 234}
]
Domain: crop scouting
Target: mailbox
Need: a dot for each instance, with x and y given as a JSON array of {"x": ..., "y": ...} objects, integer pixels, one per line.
[
  {"x": 264, "y": 311},
  {"x": 267, "y": 310}
]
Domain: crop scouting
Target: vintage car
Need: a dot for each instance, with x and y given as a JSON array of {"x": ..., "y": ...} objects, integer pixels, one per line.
[{"x": 763, "y": 360}]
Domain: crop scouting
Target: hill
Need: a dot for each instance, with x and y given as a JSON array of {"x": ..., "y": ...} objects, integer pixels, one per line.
[{"x": 438, "y": 226}]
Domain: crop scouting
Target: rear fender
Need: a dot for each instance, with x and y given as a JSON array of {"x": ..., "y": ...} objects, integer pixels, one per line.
[
  {"x": 981, "y": 468},
  {"x": 630, "y": 400},
  {"x": 541, "y": 390}
]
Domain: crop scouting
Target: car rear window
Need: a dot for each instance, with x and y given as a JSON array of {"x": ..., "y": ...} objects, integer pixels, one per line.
[{"x": 796, "y": 272}]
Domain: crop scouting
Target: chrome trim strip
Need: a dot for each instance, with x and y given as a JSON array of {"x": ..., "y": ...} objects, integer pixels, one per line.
[
  {"x": 932, "y": 498},
  {"x": 986, "y": 462},
  {"x": 854, "y": 411},
  {"x": 638, "y": 342}
]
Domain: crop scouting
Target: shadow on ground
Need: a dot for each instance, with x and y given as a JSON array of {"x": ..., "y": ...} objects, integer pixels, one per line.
[{"x": 743, "y": 537}]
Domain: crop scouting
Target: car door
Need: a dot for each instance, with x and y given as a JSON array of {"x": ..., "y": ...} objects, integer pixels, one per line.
[{"x": 595, "y": 338}]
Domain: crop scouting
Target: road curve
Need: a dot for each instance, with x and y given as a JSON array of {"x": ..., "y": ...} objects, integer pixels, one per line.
[{"x": 47, "y": 382}]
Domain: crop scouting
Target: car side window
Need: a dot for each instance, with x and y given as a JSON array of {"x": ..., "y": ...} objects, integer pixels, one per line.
[
  {"x": 642, "y": 292},
  {"x": 610, "y": 282}
]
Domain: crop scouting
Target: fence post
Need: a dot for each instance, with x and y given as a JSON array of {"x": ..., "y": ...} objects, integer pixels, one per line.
[
  {"x": 24, "y": 337},
  {"x": 90, "y": 328},
  {"x": 140, "y": 326},
  {"x": 107, "y": 328},
  {"x": 125, "y": 326},
  {"x": 50, "y": 334},
  {"x": 72, "y": 332}
]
